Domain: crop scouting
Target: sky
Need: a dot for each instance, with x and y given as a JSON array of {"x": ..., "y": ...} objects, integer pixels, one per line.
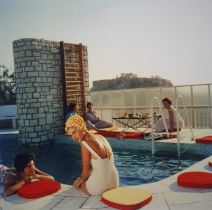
[{"x": 169, "y": 38}]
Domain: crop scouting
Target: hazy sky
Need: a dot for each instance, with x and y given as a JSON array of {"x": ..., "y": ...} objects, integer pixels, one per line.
[{"x": 170, "y": 38}]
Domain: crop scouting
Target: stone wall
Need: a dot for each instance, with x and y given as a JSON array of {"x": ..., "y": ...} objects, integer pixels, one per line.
[{"x": 39, "y": 89}]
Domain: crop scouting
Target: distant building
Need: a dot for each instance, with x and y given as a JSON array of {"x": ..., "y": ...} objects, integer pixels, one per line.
[{"x": 129, "y": 75}]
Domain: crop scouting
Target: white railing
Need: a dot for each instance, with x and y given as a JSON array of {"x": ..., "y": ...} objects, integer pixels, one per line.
[
  {"x": 198, "y": 102},
  {"x": 180, "y": 97}
]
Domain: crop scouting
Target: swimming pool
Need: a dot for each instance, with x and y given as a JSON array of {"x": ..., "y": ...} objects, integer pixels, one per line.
[{"x": 63, "y": 161}]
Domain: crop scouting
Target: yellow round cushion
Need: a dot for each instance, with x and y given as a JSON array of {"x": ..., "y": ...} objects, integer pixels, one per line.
[{"x": 126, "y": 198}]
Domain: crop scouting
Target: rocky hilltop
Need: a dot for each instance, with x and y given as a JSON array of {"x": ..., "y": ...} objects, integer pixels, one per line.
[{"x": 128, "y": 81}]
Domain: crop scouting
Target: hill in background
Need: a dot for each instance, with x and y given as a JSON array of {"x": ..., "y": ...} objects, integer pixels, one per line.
[{"x": 128, "y": 81}]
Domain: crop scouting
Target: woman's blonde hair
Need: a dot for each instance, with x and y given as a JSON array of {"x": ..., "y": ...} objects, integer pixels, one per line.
[{"x": 77, "y": 122}]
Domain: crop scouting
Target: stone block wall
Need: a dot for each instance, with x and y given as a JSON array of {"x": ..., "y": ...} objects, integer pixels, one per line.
[{"x": 39, "y": 89}]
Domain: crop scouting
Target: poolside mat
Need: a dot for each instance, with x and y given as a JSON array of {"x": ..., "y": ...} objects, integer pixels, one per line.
[
  {"x": 204, "y": 140},
  {"x": 195, "y": 179},
  {"x": 126, "y": 198}
]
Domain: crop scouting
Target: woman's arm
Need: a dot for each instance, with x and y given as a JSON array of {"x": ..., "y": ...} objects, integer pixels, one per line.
[
  {"x": 42, "y": 175},
  {"x": 11, "y": 184},
  {"x": 12, "y": 189},
  {"x": 86, "y": 156},
  {"x": 86, "y": 159}
]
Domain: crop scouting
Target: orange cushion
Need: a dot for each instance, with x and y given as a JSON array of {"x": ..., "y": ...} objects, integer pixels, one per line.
[
  {"x": 195, "y": 179},
  {"x": 126, "y": 198},
  {"x": 205, "y": 140},
  {"x": 38, "y": 189}
]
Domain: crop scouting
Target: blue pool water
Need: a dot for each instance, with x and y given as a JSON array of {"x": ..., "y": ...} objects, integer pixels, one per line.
[{"x": 63, "y": 161}]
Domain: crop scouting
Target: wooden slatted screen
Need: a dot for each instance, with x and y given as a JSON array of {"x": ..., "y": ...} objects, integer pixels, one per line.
[{"x": 74, "y": 63}]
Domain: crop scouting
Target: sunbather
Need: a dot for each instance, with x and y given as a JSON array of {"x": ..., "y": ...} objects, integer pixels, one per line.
[
  {"x": 23, "y": 172},
  {"x": 93, "y": 121}
]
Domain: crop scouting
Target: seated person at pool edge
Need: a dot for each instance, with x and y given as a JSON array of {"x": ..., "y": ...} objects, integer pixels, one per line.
[
  {"x": 99, "y": 173},
  {"x": 170, "y": 116},
  {"x": 93, "y": 121},
  {"x": 24, "y": 172},
  {"x": 71, "y": 109}
]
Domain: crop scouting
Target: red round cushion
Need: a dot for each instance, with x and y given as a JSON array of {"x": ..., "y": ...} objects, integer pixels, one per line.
[
  {"x": 205, "y": 140},
  {"x": 195, "y": 179},
  {"x": 38, "y": 189},
  {"x": 210, "y": 163},
  {"x": 126, "y": 198}
]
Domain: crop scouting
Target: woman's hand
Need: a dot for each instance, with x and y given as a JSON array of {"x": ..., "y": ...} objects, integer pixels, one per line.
[
  {"x": 78, "y": 182},
  {"x": 42, "y": 177},
  {"x": 28, "y": 179},
  {"x": 36, "y": 176}
]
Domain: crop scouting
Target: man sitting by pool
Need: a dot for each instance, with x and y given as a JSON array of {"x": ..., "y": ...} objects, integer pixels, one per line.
[
  {"x": 93, "y": 121},
  {"x": 24, "y": 172}
]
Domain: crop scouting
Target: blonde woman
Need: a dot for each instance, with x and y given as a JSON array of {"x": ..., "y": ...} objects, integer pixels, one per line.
[{"x": 99, "y": 173}]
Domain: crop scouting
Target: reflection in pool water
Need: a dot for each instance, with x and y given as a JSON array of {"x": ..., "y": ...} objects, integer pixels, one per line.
[{"x": 63, "y": 161}]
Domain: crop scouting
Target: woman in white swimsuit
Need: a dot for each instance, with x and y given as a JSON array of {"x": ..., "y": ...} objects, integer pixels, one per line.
[{"x": 99, "y": 173}]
